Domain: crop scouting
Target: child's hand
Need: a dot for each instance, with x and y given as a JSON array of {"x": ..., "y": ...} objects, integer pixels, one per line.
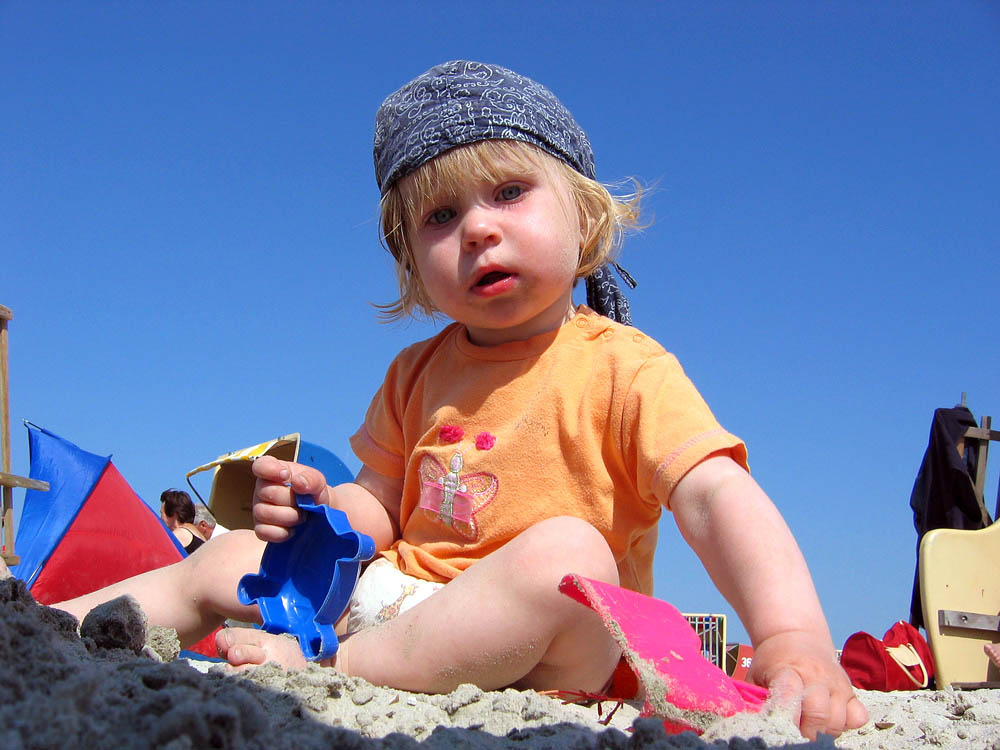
[
  {"x": 802, "y": 674},
  {"x": 275, "y": 512},
  {"x": 251, "y": 647}
]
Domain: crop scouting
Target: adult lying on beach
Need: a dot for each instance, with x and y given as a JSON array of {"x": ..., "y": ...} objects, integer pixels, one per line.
[{"x": 530, "y": 439}]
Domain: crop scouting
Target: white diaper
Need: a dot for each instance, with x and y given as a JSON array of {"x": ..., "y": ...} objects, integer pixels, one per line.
[{"x": 382, "y": 593}]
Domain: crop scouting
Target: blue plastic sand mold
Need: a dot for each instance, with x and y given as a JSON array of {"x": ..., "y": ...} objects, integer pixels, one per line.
[{"x": 305, "y": 583}]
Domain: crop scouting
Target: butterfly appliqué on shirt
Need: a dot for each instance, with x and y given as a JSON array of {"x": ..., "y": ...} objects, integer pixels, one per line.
[{"x": 454, "y": 498}]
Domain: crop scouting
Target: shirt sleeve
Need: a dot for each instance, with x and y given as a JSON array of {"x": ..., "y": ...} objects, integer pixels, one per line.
[
  {"x": 668, "y": 429},
  {"x": 378, "y": 443}
]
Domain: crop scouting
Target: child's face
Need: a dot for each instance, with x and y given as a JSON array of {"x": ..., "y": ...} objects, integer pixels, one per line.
[{"x": 500, "y": 256}]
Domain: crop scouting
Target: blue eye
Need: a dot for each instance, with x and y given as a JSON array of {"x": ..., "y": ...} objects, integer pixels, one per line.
[
  {"x": 510, "y": 192},
  {"x": 441, "y": 216}
]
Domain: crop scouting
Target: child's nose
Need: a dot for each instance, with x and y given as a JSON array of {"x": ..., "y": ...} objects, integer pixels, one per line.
[{"x": 479, "y": 230}]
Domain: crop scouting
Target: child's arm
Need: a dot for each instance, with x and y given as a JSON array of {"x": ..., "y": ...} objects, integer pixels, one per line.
[
  {"x": 371, "y": 501},
  {"x": 752, "y": 557}
]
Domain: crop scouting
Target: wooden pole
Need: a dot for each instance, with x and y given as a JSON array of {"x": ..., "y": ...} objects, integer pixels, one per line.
[
  {"x": 8, "y": 494},
  {"x": 7, "y": 480},
  {"x": 984, "y": 434}
]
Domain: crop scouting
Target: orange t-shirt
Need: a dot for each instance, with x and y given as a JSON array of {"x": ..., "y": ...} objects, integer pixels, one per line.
[{"x": 593, "y": 420}]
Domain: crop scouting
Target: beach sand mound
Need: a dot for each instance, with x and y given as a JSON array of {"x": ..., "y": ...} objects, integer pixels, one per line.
[{"x": 58, "y": 689}]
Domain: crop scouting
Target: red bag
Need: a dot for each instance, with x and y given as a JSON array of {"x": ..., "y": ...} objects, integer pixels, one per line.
[{"x": 900, "y": 661}]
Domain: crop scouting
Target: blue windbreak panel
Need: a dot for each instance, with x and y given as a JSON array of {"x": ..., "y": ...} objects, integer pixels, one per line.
[{"x": 71, "y": 473}]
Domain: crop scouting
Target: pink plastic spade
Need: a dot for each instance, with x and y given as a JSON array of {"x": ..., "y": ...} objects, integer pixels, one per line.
[{"x": 682, "y": 687}]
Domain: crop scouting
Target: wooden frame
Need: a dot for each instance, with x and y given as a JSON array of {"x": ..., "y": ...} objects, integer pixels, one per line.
[
  {"x": 7, "y": 480},
  {"x": 984, "y": 434}
]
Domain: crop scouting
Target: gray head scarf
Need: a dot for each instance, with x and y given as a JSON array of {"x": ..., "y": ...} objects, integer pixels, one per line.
[{"x": 461, "y": 102}]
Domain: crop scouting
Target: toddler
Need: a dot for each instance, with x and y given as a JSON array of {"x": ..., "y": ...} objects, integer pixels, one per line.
[{"x": 529, "y": 439}]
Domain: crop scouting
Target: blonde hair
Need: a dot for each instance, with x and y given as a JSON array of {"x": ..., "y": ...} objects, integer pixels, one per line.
[{"x": 604, "y": 218}]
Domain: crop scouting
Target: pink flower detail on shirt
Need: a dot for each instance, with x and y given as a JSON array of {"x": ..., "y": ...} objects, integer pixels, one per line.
[
  {"x": 450, "y": 433},
  {"x": 485, "y": 441}
]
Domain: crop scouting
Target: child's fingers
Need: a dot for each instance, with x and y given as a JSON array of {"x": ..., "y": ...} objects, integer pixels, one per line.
[
  {"x": 302, "y": 480},
  {"x": 275, "y": 508},
  {"x": 271, "y": 469},
  {"x": 271, "y": 533},
  {"x": 785, "y": 691},
  {"x": 816, "y": 707},
  {"x": 846, "y": 711},
  {"x": 269, "y": 513},
  {"x": 271, "y": 493},
  {"x": 275, "y": 512},
  {"x": 819, "y": 712},
  {"x": 306, "y": 480},
  {"x": 857, "y": 714}
]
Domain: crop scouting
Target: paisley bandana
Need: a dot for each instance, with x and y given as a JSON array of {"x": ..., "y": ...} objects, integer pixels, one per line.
[
  {"x": 606, "y": 297},
  {"x": 462, "y": 102}
]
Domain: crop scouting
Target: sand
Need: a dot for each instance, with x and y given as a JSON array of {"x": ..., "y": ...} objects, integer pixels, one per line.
[{"x": 105, "y": 688}]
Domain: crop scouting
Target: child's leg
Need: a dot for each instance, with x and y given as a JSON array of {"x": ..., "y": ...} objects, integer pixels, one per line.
[
  {"x": 502, "y": 622},
  {"x": 194, "y": 595}
]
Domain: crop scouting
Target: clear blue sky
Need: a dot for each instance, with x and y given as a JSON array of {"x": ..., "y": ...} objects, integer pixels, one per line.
[{"x": 188, "y": 237}]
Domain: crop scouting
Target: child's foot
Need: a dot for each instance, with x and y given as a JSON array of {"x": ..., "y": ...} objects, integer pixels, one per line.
[
  {"x": 250, "y": 647},
  {"x": 993, "y": 651}
]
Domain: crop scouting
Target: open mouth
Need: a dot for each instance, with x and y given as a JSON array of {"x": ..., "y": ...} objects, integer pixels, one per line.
[{"x": 492, "y": 278}]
